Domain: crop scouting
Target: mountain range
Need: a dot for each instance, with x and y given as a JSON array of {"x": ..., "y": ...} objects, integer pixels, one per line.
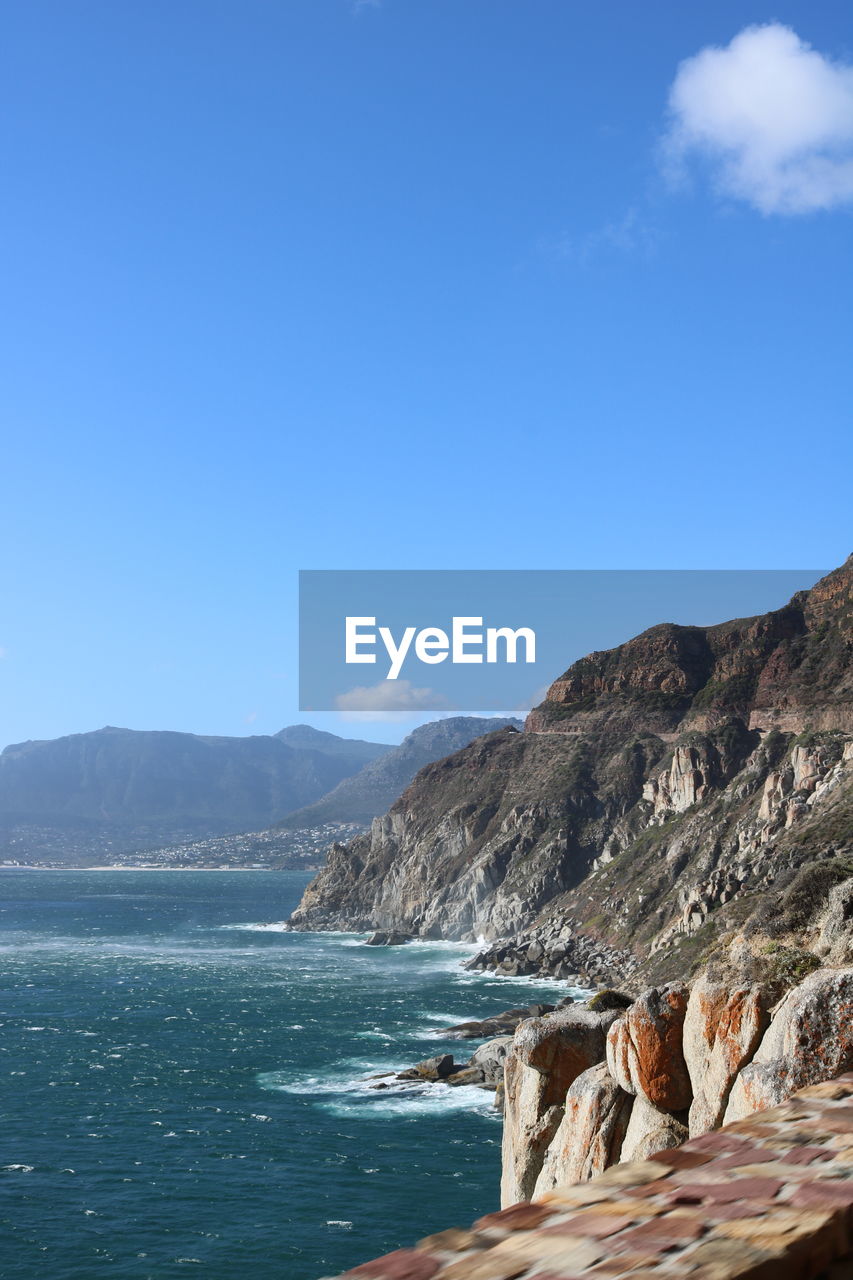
[{"x": 89, "y": 796}]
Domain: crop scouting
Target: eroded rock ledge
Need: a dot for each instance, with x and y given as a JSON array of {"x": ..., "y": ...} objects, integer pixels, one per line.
[
  {"x": 587, "y": 1090},
  {"x": 767, "y": 1198}
]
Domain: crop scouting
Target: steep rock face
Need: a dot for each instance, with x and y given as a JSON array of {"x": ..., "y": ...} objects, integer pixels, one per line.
[
  {"x": 722, "y": 1030},
  {"x": 644, "y": 1048},
  {"x": 547, "y": 1056},
  {"x": 809, "y": 1039},
  {"x": 591, "y": 1133},
  {"x": 564, "y": 1126},
  {"x": 664, "y": 792}
]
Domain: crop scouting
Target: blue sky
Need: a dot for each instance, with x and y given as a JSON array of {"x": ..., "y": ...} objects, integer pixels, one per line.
[{"x": 425, "y": 283}]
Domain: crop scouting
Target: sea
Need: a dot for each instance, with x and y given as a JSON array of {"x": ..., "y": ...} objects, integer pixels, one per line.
[{"x": 186, "y": 1087}]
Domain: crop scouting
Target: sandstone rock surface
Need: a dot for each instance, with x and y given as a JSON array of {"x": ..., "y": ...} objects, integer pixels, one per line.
[
  {"x": 810, "y": 1039},
  {"x": 722, "y": 1030},
  {"x": 644, "y": 1048},
  {"x": 590, "y": 1135}
]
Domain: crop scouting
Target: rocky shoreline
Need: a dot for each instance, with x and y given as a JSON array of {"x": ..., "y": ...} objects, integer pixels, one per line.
[
  {"x": 587, "y": 1084},
  {"x": 485, "y": 1068}
]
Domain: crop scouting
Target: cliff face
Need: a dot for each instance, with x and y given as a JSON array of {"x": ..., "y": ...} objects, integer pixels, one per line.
[{"x": 669, "y": 796}]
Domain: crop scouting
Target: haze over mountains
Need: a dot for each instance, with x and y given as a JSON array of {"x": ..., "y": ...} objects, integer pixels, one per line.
[
  {"x": 89, "y": 796},
  {"x": 374, "y": 789}
]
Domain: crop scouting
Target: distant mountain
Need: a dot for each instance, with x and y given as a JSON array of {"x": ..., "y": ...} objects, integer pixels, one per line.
[
  {"x": 140, "y": 788},
  {"x": 305, "y": 736},
  {"x": 373, "y": 790}
]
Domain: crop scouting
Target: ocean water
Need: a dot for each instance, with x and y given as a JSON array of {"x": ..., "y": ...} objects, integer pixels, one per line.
[{"x": 184, "y": 1085}]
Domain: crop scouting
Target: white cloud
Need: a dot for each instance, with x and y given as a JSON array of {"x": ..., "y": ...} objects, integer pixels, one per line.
[
  {"x": 772, "y": 117},
  {"x": 388, "y": 700}
]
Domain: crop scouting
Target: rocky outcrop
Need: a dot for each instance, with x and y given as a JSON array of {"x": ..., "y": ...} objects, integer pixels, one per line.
[
  {"x": 591, "y": 1133},
  {"x": 751, "y": 1202},
  {"x": 644, "y": 1048},
  {"x": 497, "y": 1024},
  {"x": 547, "y": 1056},
  {"x": 674, "y": 1064},
  {"x": 722, "y": 1030},
  {"x": 810, "y": 1039}
]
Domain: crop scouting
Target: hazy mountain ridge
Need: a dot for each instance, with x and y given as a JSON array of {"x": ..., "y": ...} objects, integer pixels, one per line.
[
  {"x": 141, "y": 788},
  {"x": 370, "y": 792}
]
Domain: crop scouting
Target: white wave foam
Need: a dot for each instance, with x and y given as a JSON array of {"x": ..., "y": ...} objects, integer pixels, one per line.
[
  {"x": 347, "y": 1096},
  {"x": 259, "y": 926},
  {"x": 418, "y": 1099}
]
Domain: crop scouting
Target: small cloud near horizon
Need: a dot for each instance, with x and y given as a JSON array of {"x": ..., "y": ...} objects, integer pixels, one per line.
[
  {"x": 770, "y": 117},
  {"x": 388, "y": 700}
]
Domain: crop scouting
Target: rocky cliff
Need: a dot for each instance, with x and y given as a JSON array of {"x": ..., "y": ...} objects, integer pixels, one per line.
[
  {"x": 681, "y": 798},
  {"x": 587, "y": 1088}
]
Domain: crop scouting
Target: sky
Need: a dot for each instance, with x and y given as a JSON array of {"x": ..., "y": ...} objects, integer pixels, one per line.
[{"x": 330, "y": 284}]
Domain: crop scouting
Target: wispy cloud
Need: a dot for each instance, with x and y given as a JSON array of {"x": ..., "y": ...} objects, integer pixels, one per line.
[
  {"x": 388, "y": 700},
  {"x": 771, "y": 119},
  {"x": 359, "y": 6},
  {"x": 631, "y": 234}
]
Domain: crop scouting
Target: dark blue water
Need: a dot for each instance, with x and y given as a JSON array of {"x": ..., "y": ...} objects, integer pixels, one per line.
[{"x": 184, "y": 1091}]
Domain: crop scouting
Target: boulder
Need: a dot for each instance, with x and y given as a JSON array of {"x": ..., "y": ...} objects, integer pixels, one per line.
[
  {"x": 388, "y": 938},
  {"x": 591, "y": 1132},
  {"x": 810, "y": 1039},
  {"x": 437, "y": 1068},
  {"x": 546, "y": 1057},
  {"x": 497, "y": 1024},
  {"x": 533, "y": 1109},
  {"x": 722, "y": 1030},
  {"x": 651, "y": 1130},
  {"x": 564, "y": 1043},
  {"x": 490, "y": 1058},
  {"x": 644, "y": 1048},
  {"x": 466, "y": 1075}
]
